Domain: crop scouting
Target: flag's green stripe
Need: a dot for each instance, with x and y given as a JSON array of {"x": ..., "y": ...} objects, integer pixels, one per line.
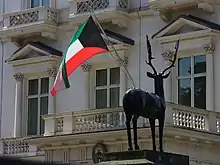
[
  {"x": 76, "y": 36},
  {"x": 78, "y": 32},
  {"x": 64, "y": 75}
]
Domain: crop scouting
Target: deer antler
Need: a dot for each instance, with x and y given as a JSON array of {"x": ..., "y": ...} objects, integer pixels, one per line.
[
  {"x": 174, "y": 59},
  {"x": 150, "y": 58}
]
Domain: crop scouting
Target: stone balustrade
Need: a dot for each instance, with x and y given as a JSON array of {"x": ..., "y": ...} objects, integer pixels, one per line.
[
  {"x": 30, "y": 16},
  {"x": 100, "y": 120},
  {"x": 83, "y": 6},
  {"x": 17, "y": 147},
  {"x": 114, "y": 119}
]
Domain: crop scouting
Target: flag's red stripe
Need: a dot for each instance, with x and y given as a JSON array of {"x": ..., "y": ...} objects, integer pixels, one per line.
[
  {"x": 78, "y": 59},
  {"x": 81, "y": 57},
  {"x": 53, "y": 92}
]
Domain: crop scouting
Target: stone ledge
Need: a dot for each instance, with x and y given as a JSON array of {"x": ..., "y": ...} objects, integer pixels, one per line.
[{"x": 151, "y": 156}]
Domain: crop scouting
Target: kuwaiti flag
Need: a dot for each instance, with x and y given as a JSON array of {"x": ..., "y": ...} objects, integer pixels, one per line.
[{"x": 86, "y": 43}]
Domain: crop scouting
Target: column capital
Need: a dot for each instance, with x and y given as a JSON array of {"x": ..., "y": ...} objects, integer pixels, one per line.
[
  {"x": 18, "y": 76},
  {"x": 86, "y": 67},
  {"x": 124, "y": 61},
  {"x": 52, "y": 72},
  {"x": 168, "y": 54},
  {"x": 209, "y": 48}
]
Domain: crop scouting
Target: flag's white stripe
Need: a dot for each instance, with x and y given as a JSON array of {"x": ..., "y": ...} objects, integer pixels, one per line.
[
  {"x": 74, "y": 48},
  {"x": 59, "y": 83}
]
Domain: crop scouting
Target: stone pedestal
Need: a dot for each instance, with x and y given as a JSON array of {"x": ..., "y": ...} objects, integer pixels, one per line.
[{"x": 143, "y": 157}]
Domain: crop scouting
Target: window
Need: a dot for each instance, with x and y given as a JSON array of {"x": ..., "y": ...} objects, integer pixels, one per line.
[
  {"x": 38, "y": 3},
  {"x": 192, "y": 81},
  {"x": 107, "y": 87},
  {"x": 37, "y": 105}
]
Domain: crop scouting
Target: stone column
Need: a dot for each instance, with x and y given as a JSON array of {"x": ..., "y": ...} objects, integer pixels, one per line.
[
  {"x": 123, "y": 80},
  {"x": 86, "y": 67},
  {"x": 52, "y": 72},
  {"x": 209, "y": 49},
  {"x": 168, "y": 55},
  {"x": 18, "y": 105}
]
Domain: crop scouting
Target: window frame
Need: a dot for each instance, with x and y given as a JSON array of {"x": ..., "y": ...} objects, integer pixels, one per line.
[
  {"x": 108, "y": 86},
  {"x": 191, "y": 76},
  {"x": 40, "y": 3},
  {"x": 26, "y": 86}
]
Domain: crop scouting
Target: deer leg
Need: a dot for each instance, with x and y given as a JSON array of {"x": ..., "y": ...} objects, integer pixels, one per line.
[
  {"x": 128, "y": 125},
  {"x": 134, "y": 121},
  {"x": 152, "y": 126},
  {"x": 161, "y": 127}
]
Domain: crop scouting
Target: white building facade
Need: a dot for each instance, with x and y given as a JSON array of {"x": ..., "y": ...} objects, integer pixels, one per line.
[{"x": 79, "y": 122}]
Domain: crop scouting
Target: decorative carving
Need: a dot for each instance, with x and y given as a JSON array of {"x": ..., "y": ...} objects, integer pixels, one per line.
[
  {"x": 97, "y": 152},
  {"x": 19, "y": 77},
  {"x": 124, "y": 61},
  {"x": 209, "y": 48},
  {"x": 168, "y": 54},
  {"x": 52, "y": 72},
  {"x": 86, "y": 67}
]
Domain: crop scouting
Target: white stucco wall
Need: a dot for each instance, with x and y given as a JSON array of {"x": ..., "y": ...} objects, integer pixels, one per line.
[{"x": 11, "y": 5}]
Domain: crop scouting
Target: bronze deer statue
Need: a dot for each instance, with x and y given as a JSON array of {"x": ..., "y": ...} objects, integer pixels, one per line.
[{"x": 137, "y": 102}]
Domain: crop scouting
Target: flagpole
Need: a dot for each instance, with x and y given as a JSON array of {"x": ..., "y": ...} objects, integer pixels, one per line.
[{"x": 119, "y": 59}]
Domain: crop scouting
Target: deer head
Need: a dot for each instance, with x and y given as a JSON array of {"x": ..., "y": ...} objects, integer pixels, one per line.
[
  {"x": 163, "y": 75},
  {"x": 150, "y": 58}
]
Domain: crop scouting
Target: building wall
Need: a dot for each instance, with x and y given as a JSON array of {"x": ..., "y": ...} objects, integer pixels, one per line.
[
  {"x": 74, "y": 98},
  {"x": 199, "y": 153}
]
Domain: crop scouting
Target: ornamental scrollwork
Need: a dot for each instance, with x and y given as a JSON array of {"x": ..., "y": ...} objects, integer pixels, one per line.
[
  {"x": 52, "y": 72},
  {"x": 18, "y": 76},
  {"x": 168, "y": 54},
  {"x": 86, "y": 67},
  {"x": 209, "y": 48}
]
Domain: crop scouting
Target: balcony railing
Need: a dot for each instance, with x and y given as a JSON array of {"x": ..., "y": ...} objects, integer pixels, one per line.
[
  {"x": 17, "y": 147},
  {"x": 30, "y": 16},
  {"x": 114, "y": 119},
  {"x": 85, "y": 6}
]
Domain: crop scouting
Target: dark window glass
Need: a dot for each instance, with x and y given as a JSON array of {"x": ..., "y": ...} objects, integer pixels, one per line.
[
  {"x": 46, "y": 3},
  {"x": 35, "y": 3},
  {"x": 115, "y": 76},
  {"x": 184, "y": 92},
  {"x": 43, "y": 111},
  {"x": 32, "y": 116},
  {"x": 200, "y": 92},
  {"x": 44, "y": 85},
  {"x": 114, "y": 97},
  {"x": 33, "y": 87},
  {"x": 200, "y": 64},
  {"x": 184, "y": 66},
  {"x": 101, "y": 77},
  {"x": 101, "y": 98}
]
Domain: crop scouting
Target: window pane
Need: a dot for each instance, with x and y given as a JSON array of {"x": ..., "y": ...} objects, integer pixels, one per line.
[
  {"x": 46, "y": 3},
  {"x": 200, "y": 92},
  {"x": 114, "y": 97},
  {"x": 43, "y": 111},
  {"x": 33, "y": 87},
  {"x": 184, "y": 92},
  {"x": 115, "y": 76},
  {"x": 35, "y": 3},
  {"x": 200, "y": 64},
  {"x": 184, "y": 65},
  {"x": 101, "y": 77},
  {"x": 101, "y": 98},
  {"x": 32, "y": 116},
  {"x": 44, "y": 85}
]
